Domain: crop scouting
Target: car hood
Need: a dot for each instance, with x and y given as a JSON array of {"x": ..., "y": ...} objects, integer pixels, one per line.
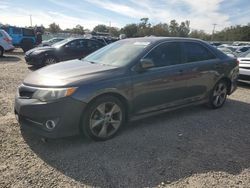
[
  {"x": 69, "y": 73},
  {"x": 37, "y": 49}
]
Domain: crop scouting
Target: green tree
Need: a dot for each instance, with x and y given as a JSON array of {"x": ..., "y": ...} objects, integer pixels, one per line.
[
  {"x": 199, "y": 34},
  {"x": 101, "y": 28},
  {"x": 174, "y": 28},
  {"x": 78, "y": 29},
  {"x": 130, "y": 30},
  {"x": 160, "y": 29},
  {"x": 114, "y": 31},
  {"x": 184, "y": 29},
  {"x": 54, "y": 28},
  {"x": 144, "y": 28}
]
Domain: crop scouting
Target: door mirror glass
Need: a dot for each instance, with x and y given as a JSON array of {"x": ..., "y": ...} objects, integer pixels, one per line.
[{"x": 146, "y": 63}]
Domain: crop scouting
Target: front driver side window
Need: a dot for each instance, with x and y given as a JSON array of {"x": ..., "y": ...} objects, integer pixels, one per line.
[{"x": 165, "y": 54}]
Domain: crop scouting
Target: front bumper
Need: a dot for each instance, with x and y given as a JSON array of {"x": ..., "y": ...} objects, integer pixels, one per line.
[
  {"x": 33, "y": 60},
  {"x": 66, "y": 113}
]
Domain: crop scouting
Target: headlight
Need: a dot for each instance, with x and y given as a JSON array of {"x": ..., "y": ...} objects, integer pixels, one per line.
[
  {"x": 53, "y": 94},
  {"x": 37, "y": 52}
]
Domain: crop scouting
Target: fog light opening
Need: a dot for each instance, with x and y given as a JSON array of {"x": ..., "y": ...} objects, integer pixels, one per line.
[{"x": 50, "y": 124}]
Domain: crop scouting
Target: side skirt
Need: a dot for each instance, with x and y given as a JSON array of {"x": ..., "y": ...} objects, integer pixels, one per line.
[{"x": 144, "y": 115}]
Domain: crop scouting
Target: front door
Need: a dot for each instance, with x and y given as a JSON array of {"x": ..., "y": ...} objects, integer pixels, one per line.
[{"x": 163, "y": 85}]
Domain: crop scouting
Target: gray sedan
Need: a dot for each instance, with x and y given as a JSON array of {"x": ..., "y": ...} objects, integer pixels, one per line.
[{"x": 126, "y": 80}]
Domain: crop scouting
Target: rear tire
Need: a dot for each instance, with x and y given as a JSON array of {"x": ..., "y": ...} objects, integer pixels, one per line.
[
  {"x": 1, "y": 52},
  {"x": 26, "y": 45},
  {"x": 103, "y": 118},
  {"x": 218, "y": 95}
]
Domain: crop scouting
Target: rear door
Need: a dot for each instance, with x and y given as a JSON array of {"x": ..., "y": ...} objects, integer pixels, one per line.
[
  {"x": 74, "y": 49},
  {"x": 202, "y": 69},
  {"x": 93, "y": 46}
]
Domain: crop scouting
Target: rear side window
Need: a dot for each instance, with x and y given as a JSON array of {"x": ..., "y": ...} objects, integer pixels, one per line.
[
  {"x": 166, "y": 54},
  {"x": 93, "y": 45},
  {"x": 16, "y": 30},
  {"x": 28, "y": 32},
  {"x": 1, "y": 34},
  {"x": 197, "y": 52},
  {"x": 77, "y": 44}
]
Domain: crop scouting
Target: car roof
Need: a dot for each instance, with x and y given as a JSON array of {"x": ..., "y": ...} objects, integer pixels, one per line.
[{"x": 160, "y": 39}]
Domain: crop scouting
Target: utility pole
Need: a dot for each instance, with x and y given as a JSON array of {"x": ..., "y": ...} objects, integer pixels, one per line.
[
  {"x": 30, "y": 20},
  {"x": 213, "y": 31},
  {"x": 110, "y": 28}
]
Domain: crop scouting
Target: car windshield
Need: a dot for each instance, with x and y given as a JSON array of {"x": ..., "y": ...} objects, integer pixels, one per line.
[
  {"x": 245, "y": 54},
  {"x": 117, "y": 54},
  {"x": 61, "y": 43}
]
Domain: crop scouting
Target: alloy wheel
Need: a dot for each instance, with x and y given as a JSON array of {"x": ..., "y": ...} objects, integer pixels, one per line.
[
  {"x": 105, "y": 119},
  {"x": 50, "y": 61},
  {"x": 219, "y": 94}
]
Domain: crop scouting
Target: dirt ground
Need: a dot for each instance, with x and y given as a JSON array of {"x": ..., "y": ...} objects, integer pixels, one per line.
[{"x": 191, "y": 147}]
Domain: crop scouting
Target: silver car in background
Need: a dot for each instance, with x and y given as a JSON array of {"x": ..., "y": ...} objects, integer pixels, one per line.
[
  {"x": 244, "y": 65},
  {"x": 5, "y": 42}
]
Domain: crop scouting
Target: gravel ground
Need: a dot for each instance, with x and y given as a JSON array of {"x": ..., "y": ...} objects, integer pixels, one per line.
[{"x": 191, "y": 147}]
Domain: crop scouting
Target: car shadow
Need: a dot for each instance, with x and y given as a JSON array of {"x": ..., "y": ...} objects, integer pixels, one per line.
[
  {"x": 34, "y": 68},
  {"x": 16, "y": 51},
  {"x": 244, "y": 83},
  {"x": 163, "y": 148},
  {"x": 10, "y": 58}
]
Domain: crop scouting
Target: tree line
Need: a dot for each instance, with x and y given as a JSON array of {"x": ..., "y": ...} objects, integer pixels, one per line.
[{"x": 171, "y": 29}]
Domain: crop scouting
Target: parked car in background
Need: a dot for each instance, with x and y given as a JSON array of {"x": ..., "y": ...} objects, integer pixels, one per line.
[
  {"x": 242, "y": 49},
  {"x": 126, "y": 80},
  {"x": 5, "y": 42},
  {"x": 50, "y": 42},
  {"x": 21, "y": 37},
  {"x": 215, "y": 44},
  {"x": 68, "y": 49},
  {"x": 244, "y": 64},
  {"x": 227, "y": 51}
]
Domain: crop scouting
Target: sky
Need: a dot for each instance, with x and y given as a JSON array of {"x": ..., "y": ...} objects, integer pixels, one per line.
[{"x": 68, "y": 13}]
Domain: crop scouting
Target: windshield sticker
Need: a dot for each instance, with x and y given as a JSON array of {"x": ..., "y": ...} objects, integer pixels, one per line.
[{"x": 142, "y": 43}]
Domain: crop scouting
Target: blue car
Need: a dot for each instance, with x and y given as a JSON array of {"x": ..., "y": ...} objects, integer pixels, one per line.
[{"x": 21, "y": 37}]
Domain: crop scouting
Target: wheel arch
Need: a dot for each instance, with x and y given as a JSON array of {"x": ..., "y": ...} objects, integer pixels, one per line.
[
  {"x": 228, "y": 82},
  {"x": 119, "y": 96}
]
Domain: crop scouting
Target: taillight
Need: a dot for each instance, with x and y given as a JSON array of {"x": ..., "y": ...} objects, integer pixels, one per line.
[
  {"x": 8, "y": 40},
  {"x": 238, "y": 62}
]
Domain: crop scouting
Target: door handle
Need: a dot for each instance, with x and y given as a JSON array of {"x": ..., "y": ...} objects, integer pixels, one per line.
[
  {"x": 180, "y": 71},
  {"x": 217, "y": 66}
]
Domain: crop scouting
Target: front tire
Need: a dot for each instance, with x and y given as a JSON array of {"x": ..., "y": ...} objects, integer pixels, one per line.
[
  {"x": 218, "y": 95},
  {"x": 26, "y": 45},
  {"x": 103, "y": 118},
  {"x": 49, "y": 61}
]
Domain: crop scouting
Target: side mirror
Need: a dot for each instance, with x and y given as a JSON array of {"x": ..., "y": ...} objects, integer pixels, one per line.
[
  {"x": 144, "y": 64},
  {"x": 66, "y": 46},
  {"x": 231, "y": 55}
]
